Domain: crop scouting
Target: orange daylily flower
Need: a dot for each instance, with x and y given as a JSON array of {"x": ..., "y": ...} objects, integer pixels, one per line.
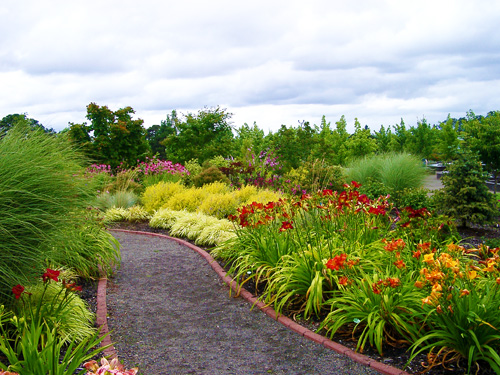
[{"x": 464, "y": 292}]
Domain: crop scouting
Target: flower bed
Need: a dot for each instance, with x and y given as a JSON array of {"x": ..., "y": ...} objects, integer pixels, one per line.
[{"x": 388, "y": 277}]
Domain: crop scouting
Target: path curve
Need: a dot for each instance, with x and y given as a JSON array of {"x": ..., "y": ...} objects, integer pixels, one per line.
[{"x": 169, "y": 313}]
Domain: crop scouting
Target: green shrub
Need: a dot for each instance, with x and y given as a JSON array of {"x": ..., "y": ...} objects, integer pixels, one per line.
[
  {"x": 415, "y": 198},
  {"x": 316, "y": 175},
  {"x": 210, "y": 175},
  {"x": 194, "y": 169},
  {"x": 155, "y": 196}
]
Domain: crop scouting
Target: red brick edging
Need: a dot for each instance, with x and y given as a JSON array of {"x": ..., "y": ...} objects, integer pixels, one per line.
[{"x": 287, "y": 322}]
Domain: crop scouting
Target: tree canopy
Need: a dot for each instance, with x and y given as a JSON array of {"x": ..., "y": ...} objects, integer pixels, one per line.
[{"x": 112, "y": 137}]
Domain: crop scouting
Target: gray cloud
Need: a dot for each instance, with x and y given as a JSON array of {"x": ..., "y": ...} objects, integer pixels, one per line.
[{"x": 271, "y": 62}]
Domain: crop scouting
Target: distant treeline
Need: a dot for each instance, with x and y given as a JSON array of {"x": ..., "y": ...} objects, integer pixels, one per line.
[{"x": 114, "y": 138}]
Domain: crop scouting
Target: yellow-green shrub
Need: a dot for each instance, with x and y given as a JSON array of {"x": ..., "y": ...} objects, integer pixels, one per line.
[
  {"x": 155, "y": 196},
  {"x": 187, "y": 199},
  {"x": 264, "y": 196},
  {"x": 216, "y": 188},
  {"x": 243, "y": 194},
  {"x": 164, "y": 218},
  {"x": 115, "y": 214},
  {"x": 190, "y": 225},
  {"x": 220, "y": 205},
  {"x": 69, "y": 313},
  {"x": 137, "y": 214},
  {"x": 217, "y": 233}
]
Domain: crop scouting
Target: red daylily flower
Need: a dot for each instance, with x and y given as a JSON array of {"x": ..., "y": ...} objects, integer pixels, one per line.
[
  {"x": 286, "y": 225},
  {"x": 400, "y": 264},
  {"x": 344, "y": 280},
  {"x": 379, "y": 210},
  {"x": 51, "y": 274},
  {"x": 328, "y": 192},
  {"x": 398, "y": 244},
  {"x": 18, "y": 290},
  {"x": 337, "y": 262},
  {"x": 270, "y": 206},
  {"x": 357, "y": 185},
  {"x": 363, "y": 199}
]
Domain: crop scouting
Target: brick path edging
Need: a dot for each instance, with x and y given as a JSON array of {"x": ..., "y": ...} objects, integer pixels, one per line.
[{"x": 101, "y": 313}]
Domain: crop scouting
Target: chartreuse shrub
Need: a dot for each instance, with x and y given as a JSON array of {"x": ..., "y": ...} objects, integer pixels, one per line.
[
  {"x": 188, "y": 199},
  {"x": 264, "y": 196},
  {"x": 385, "y": 280},
  {"x": 43, "y": 200},
  {"x": 244, "y": 193},
  {"x": 205, "y": 230},
  {"x": 220, "y": 205},
  {"x": 189, "y": 224},
  {"x": 155, "y": 196},
  {"x": 216, "y": 233},
  {"x": 164, "y": 218}
]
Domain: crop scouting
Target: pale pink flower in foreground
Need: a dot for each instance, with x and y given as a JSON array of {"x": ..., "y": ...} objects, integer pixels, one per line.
[{"x": 108, "y": 368}]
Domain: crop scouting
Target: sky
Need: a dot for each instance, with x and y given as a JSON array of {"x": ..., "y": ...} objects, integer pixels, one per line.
[{"x": 271, "y": 62}]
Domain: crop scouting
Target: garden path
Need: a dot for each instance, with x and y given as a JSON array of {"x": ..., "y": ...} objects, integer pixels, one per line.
[
  {"x": 431, "y": 182},
  {"x": 170, "y": 313}
]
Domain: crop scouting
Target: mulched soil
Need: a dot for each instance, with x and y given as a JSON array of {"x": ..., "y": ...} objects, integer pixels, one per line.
[{"x": 396, "y": 357}]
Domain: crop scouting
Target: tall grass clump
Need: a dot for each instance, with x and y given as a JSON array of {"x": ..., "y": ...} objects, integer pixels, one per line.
[
  {"x": 402, "y": 171},
  {"x": 42, "y": 197},
  {"x": 392, "y": 173},
  {"x": 120, "y": 199}
]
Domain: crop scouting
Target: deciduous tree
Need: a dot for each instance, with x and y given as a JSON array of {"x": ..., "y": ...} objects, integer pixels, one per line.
[
  {"x": 201, "y": 136},
  {"x": 112, "y": 138}
]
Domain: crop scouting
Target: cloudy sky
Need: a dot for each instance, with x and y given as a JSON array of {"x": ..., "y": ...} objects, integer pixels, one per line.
[{"x": 273, "y": 62}]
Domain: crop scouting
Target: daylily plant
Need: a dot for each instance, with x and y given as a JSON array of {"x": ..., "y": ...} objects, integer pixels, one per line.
[{"x": 108, "y": 368}]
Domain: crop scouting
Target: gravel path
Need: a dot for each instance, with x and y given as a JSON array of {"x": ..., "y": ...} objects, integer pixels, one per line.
[{"x": 170, "y": 313}]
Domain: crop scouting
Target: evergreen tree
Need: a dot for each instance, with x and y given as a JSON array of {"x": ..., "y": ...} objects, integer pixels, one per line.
[{"x": 465, "y": 195}]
